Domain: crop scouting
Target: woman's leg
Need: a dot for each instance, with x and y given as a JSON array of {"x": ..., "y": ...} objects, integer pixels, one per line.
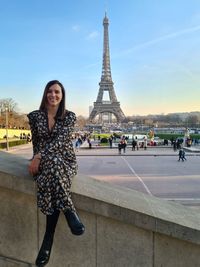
[
  {"x": 45, "y": 250},
  {"x": 51, "y": 221},
  {"x": 74, "y": 222}
]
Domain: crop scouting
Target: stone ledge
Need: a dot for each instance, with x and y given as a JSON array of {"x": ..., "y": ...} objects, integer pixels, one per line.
[
  {"x": 136, "y": 208},
  {"x": 7, "y": 262},
  {"x": 123, "y": 204}
]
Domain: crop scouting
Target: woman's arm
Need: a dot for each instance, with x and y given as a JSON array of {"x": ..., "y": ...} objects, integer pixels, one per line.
[
  {"x": 35, "y": 162},
  {"x": 34, "y": 165}
]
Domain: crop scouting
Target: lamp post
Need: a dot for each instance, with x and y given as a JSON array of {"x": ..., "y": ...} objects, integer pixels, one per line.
[{"x": 7, "y": 143}]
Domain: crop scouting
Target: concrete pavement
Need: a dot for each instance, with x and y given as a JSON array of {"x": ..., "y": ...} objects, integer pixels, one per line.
[
  {"x": 154, "y": 170},
  {"x": 150, "y": 151},
  {"x": 26, "y": 151}
]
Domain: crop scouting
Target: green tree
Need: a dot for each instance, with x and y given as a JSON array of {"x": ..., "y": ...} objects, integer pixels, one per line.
[{"x": 192, "y": 120}]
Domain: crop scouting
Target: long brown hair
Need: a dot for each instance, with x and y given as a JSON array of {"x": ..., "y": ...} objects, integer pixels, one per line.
[{"x": 61, "y": 109}]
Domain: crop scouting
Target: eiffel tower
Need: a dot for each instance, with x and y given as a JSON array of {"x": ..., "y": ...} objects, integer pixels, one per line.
[{"x": 106, "y": 84}]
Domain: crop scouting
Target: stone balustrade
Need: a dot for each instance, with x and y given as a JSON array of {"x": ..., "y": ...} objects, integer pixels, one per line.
[{"x": 124, "y": 228}]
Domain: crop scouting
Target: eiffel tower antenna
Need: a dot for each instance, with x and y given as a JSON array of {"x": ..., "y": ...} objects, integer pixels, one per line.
[
  {"x": 106, "y": 84},
  {"x": 106, "y": 7}
]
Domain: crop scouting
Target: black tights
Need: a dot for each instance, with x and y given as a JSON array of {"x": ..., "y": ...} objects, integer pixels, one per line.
[{"x": 51, "y": 222}]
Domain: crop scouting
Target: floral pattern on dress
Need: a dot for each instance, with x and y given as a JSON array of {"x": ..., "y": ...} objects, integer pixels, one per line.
[{"x": 58, "y": 161}]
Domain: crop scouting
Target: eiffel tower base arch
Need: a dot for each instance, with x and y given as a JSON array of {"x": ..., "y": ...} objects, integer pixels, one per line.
[{"x": 100, "y": 109}]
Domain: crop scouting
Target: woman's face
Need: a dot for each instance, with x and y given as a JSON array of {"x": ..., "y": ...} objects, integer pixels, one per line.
[{"x": 54, "y": 95}]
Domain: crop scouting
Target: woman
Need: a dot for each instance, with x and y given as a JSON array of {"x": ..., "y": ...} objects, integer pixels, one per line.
[{"x": 53, "y": 164}]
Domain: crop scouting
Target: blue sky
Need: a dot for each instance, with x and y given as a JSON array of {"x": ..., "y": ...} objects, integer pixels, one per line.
[{"x": 154, "y": 50}]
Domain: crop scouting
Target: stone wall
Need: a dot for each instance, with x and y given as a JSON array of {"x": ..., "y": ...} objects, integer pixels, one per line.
[{"x": 123, "y": 227}]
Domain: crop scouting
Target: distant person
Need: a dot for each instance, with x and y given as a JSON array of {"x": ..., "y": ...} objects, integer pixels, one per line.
[
  {"x": 119, "y": 147},
  {"x": 77, "y": 144},
  {"x": 110, "y": 140},
  {"x": 134, "y": 143},
  {"x": 189, "y": 142},
  {"x": 166, "y": 142},
  {"x": 145, "y": 143},
  {"x": 89, "y": 143},
  {"x": 178, "y": 144},
  {"x": 28, "y": 138},
  {"x": 54, "y": 164},
  {"x": 175, "y": 145},
  {"x": 137, "y": 143},
  {"x": 181, "y": 155},
  {"x": 172, "y": 141},
  {"x": 123, "y": 144}
]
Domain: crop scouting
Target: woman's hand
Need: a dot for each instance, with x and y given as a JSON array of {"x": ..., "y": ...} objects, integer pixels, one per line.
[{"x": 34, "y": 165}]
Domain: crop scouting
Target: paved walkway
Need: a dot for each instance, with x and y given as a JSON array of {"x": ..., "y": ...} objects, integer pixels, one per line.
[
  {"x": 151, "y": 151},
  {"x": 156, "y": 167},
  {"x": 106, "y": 151}
]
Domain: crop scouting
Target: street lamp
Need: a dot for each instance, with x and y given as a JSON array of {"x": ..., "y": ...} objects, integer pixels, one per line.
[{"x": 7, "y": 143}]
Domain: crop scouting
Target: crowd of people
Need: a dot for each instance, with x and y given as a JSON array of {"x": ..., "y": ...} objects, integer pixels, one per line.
[
  {"x": 3, "y": 126},
  {"x": 80, "y": 138},
  {"x": 25, "y": 136},
  {"x": 135, "y": 144},
  {"x": 123, "y": 142}
]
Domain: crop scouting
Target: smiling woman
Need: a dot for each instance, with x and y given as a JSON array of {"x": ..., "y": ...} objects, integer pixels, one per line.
[
  {"x": 54, "y": 97},
  {"x": 54, "y": 164}
]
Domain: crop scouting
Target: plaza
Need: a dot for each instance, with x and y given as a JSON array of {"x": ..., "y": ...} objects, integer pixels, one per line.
[{"x": 155, "y": 171}]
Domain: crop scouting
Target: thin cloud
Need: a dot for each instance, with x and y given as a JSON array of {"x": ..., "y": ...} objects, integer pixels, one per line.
[
  {"x": 188, "y": 72},
  {"x": 93, "y": 35},
  {"x": 162, "y": 38},
  {"x": 76, "y": 28},
  {"x": 89, "y": 66}
]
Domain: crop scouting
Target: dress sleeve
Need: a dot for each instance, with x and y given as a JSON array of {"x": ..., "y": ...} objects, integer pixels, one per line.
[
  {"x": 71, "y": 119},
  {"x": 70, "y": 122},
  {"x": 32, "y": 122}
]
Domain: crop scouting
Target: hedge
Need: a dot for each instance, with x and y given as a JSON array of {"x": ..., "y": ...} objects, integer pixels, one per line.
[
  {"x": 175, "y": 136},
  {"x": 104, "y": 140},
  {"x": 13, "y": 143}
]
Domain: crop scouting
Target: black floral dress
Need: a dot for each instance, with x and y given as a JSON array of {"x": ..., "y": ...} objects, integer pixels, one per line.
[{"x": 58, "y": 162}]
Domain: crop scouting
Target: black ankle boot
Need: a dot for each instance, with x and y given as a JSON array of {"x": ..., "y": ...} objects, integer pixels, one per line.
[
  {"x": 76, "y": 226},
  {"x": 45, "y": 250}
]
